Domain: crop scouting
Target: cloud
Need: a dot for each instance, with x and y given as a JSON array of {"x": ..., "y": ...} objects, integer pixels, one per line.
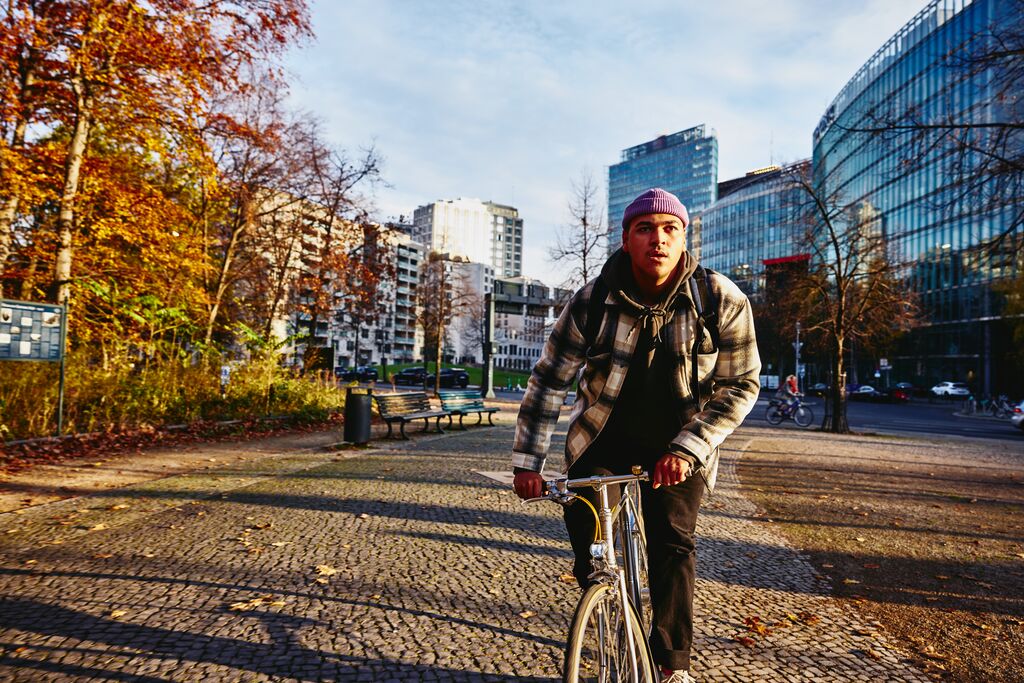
[{"x": 509, "y": 101}]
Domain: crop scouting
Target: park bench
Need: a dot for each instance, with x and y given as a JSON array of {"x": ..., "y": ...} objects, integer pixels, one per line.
[
  {"x": 464, "y": 402},
  {"x": 406, "y": 407}
]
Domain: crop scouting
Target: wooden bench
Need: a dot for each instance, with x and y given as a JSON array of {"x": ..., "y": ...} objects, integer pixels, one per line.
[
  {"x": 464, "y": 402},
  {"x": 406, "y": 407}
]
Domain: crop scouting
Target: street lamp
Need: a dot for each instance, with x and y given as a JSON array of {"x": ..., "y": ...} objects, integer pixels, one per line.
[{"x": 797, "y": 347}]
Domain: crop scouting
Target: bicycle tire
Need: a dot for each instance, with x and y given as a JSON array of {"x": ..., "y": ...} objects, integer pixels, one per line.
[
  {"x": 803, "y": 416},
  {"x": 597, "y": 650},
  {"x": 774, "y": 415}
]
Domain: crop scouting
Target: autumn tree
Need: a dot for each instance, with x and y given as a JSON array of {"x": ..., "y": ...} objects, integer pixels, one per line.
[
  {"x": 140, "y": 71},
  {"x": 851, "y": 286},
  {"x": 579, "y": 247}
]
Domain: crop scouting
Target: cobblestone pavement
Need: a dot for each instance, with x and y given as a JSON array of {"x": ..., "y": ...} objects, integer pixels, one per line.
[{"x": 398, "y": 563}]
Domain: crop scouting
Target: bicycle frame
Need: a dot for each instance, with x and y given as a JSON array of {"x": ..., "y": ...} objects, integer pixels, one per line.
[{"x": 608, "y": 570}]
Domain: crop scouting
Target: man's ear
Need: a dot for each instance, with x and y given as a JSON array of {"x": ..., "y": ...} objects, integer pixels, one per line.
[{"x": 625, "y": 234}]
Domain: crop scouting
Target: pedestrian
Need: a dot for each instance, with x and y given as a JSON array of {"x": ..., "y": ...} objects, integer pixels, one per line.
[{"x": 637, "y": 401}]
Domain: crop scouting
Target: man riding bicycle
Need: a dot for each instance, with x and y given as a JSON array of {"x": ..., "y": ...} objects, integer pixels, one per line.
[{"x": 670, "y": 370}]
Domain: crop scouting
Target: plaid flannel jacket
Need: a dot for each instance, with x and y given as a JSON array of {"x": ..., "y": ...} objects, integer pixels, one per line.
[{"x": 728, "y": 377}]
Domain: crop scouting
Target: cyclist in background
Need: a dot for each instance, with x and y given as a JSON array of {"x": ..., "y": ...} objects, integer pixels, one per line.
[
  {"x": 637, "y": 402},
  {"x": 789, "y": 392}
]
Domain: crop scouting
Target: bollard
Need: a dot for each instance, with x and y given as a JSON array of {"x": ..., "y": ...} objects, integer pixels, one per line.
[{"x": 357, "y": 415}]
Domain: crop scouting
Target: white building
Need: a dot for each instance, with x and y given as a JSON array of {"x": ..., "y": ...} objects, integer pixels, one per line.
[
  {"x": 524, "y": 312},
  {"x": 482, "y": 232},
  {"x": 394, "y": 336}
]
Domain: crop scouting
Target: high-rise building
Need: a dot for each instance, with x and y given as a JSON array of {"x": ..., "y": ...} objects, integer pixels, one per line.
[
  {"x": 483, "y": 232},
  {"x": 754, "y": 220},
  {"x": 684, "y": 163},
  {"x": 905, "y": 180}
]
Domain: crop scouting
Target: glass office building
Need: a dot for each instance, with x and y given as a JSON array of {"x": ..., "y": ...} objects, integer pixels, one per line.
[
  {"x": 754, "y": 220},
  {"x": 684, "y": 163},
  {"x": 942, "y": 243}
]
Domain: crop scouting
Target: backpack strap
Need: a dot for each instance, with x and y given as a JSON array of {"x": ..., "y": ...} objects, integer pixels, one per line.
[
  {"x": 595, "y": 312},
  {"x": 706, "y": 308}
]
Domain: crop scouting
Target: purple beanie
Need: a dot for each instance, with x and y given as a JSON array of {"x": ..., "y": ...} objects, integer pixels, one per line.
[{"x": 655, "y": 200}]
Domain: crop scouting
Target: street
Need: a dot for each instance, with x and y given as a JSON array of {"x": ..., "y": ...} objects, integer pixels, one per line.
[{"x": 918, "y": 417}]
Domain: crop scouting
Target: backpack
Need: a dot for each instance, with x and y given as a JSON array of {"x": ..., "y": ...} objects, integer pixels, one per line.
[{"x": 703, "y": 300}]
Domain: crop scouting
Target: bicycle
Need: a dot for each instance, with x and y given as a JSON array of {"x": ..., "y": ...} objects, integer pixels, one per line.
[
  {"x": 778, "y": 410},
  {"x": 1000, "y": 407},
  {"x": 607, "y": 638}
]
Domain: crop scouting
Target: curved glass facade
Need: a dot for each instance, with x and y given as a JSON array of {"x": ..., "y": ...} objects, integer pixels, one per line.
[
  {"x": 754, "y": 220},
  {"x": 908, "y": 175}
]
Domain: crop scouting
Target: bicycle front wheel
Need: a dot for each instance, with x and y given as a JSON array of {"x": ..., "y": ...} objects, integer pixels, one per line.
[
  {"x": 803, "y": 416},
  {"x": 598, "y": 650},
  {"x": 773, "y": 415}
]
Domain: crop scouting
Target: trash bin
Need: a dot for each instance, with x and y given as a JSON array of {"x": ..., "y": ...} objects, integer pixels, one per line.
[{"x": 357, "y": 415}]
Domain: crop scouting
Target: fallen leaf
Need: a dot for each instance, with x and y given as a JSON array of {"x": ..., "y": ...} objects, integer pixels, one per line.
[
  {"x": 746, "y": 641},
  {"x": 98, "y": 527},
  {"x": 871, "y": 653},
  {"x": 103, "y": 556},
  {"x": 860, "y": 539},
  {"x": 322, "y": 580},
  {"x": 363, "y": 515},
  {"x": 809, "y": 618},
  {"x": 850, "y": 581},
  {"x": 119, "y": 506},
  {"x": 280, "y": 543},
  {"x": 325, "y": 570},
  {"x": 527, "y": 614},
  {"x": 375, "y": 596},
  {"x": 114, "y": 614},
  {"x": 567, "y": 578}
]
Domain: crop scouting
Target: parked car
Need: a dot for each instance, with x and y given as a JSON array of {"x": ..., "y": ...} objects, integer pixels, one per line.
[
  {"x": 819, "y": 389},
  {"x": 897, "y": 394},
  {"x": 866, "y": 392},
  {"x": 1017, "y": 418},
  {"x": 451, "y": 378},
  {"x": 413, "y": 376},
  {"x": 950, "y": 389},
  {"x": 363, "y": 373}
]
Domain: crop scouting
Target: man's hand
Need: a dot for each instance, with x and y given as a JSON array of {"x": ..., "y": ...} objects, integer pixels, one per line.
[
  {"x": 528, "y": 485},
  {"x": 670, "y": 470}
]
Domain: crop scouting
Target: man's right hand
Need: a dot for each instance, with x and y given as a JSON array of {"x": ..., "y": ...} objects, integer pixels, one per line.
[{"x": 528, "y": 485}]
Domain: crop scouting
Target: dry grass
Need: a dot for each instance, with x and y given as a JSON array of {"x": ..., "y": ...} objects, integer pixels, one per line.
[{"x": 925, "y": 536}]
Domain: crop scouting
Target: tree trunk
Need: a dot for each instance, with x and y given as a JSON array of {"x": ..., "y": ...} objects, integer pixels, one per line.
[
  {"x": 835, "y": 420},
  {"x": 9, "y": 205},
  {"x": 72, "y": 171},
  {"x": 223, "y": 276}
]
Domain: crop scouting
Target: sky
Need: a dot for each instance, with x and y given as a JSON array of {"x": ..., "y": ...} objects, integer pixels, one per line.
[{"x": 514, "y": 101}]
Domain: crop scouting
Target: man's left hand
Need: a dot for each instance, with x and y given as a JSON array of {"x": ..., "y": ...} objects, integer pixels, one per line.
[{"x": 669, "y": 471}]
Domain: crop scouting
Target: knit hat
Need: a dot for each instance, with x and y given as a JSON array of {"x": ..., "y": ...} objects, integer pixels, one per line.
[{"x": 655, "y": 200}]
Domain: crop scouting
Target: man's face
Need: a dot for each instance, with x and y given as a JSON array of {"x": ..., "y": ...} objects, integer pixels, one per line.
[{"x": 654, "y": 242}]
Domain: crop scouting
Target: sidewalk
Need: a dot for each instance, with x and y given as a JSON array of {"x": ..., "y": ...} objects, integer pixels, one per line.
[{"x": 397, "y": 563}]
